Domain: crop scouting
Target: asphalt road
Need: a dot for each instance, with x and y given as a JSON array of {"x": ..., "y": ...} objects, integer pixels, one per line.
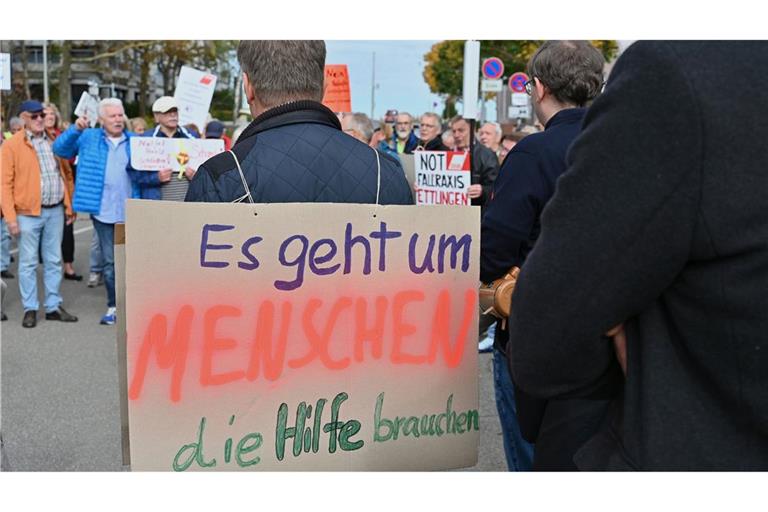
[{"x": 59, "y": 400}]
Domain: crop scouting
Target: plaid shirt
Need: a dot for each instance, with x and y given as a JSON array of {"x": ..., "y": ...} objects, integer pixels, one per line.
[{"x": 51, "y": 183}]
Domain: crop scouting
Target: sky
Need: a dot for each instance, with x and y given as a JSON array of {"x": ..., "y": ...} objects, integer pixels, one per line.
[{"x": 399, "y": 75}]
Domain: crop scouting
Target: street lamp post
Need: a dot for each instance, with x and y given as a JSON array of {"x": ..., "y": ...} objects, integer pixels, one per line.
[{"x": 46, "y": 98}]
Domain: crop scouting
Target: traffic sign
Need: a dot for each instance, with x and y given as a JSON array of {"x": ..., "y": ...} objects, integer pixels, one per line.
[
  {"x": 491, "y": 86},
  {"x": 517, "y": 82},
  {"x": 519, "y": 112},
  {"x": 493, "y": 68}
]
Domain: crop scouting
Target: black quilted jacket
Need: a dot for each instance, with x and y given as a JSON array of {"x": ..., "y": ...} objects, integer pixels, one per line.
[{"x": 297, "y": 153}]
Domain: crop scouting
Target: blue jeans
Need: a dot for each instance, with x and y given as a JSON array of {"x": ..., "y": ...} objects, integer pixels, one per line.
[
  {"x": 106, "y": 233},
  {"x": 97, "y": 260},
  {"x": 41, "y": 233},
  {"x": 518, "y": 451},
  {"x": 5, "y": 246}
]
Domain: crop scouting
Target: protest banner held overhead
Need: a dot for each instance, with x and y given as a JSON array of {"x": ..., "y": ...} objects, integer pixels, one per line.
[
  {"x": 442, "y": 177},
  {"x": 88, "y": 107},
  {"x": 273, "y": 342},
  {"x": 154, "y": 154},
  {"x": 338, "y": 94},
  {"x": 194, "y": 92}
]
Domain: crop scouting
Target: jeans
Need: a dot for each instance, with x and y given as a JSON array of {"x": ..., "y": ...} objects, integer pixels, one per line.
[
  {"x": 106, "y": 233},
  {"x": 518, "y": 451},
  {"x": 97, "y": 260},
  {"x": 41, "y": 233},
  {"x": 5, "y": 246}
]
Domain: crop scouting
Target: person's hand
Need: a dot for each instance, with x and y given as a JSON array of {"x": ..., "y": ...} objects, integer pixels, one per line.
[
  {"x": 619, "y": 345},
  {"x": 81, "y": 123},
  {"x": 475, "y": 191},
  {"x": 13, "y": 228},
  {"x": 71, "y": 218},
  {"x": 164, "y": 175},
  {"x": 189, "y": 173}
]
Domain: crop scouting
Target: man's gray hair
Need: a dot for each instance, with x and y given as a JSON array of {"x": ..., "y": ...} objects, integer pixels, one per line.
[
  {"x": 496, "y": 126},
  {"x": 361, "y": 123},
  {"x": 15, "y": 122},
  {"x": 284, "y": 71},
  {"x": 109, "y": 102},
  {"x": 410, "y": 117},
  {"x": 571, "y": 70},
  {"x": 434, "y": 116}
]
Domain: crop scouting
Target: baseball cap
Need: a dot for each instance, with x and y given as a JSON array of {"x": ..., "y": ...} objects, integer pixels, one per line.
[
  {"x": 31, "y": 106},
  {"x": 214, "y": 129},
  {"x": 164, "y": 103}
]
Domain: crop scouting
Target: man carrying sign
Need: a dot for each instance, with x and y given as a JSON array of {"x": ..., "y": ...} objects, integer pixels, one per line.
[
  {"x": 102, "y": 184},
  {"x": 295, "y": 149},
  {"x": 164, "y": 184}
]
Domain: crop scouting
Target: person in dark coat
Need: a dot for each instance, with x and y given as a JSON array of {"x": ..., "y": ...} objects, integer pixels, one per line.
[
  {"x": 430, "y": 131},
  {"x": 295, "y": 149},
  {"x": 485, "y": 165},
  {"x": 657, "y": 232},
  {"x": 565, "y": 75}
]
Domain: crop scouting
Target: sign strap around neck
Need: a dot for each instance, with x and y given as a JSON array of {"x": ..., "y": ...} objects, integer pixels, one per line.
[{"x": 242, "y": 178}]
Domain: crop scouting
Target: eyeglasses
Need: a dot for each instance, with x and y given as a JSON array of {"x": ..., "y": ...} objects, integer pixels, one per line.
[
  {"x": 36, "y": 115},
  {"x": 529, "y": 86}
]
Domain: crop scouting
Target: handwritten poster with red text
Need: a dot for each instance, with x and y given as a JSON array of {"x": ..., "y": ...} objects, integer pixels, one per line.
[
  {"x": 338, "y": 94},
  {"x": 442, "y": 177},
  {"x": 301, "y": 337}
]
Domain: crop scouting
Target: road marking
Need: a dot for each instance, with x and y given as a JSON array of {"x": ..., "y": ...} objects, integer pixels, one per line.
[{"x": 75, "y": 232}]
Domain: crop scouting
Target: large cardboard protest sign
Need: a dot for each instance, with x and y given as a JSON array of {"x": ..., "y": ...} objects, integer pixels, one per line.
[
  {"x": 194, "y": 92},
  {"x": 156, "y": 153},
  {"x": 338, "y": 94},
  {"x": 301, "y": 336},
  {"x": 442, "y": 177}
]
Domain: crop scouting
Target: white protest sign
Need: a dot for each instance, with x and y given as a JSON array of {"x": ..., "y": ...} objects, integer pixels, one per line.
[
  {"x": 88, "y": 107},
  {"x": 5, "y": 71},
  {"x": 261, "y": 339},
  {"x": 194, "y": 92},
  {"x": 156, "y": 153},
  {"x": 442, "y": 177}
]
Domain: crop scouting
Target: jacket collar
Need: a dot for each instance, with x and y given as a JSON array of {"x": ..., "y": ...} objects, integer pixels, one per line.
[
  {"x": 295, "y": 112},
  {"x": 566, "y": 116}
]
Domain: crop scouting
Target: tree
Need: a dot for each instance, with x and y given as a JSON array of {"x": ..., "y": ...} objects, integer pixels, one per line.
[{"x": 444, "y": 72}]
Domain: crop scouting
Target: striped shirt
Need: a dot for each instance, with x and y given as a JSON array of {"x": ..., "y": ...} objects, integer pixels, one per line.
[{"x": 51, "y": 183}]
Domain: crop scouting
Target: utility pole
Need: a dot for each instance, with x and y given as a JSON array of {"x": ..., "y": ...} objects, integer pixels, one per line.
[
  {"x": 46, "y": 98},
  {"x": 373, "y": 85}
]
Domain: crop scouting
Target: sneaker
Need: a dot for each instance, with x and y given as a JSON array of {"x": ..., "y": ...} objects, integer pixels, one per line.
[
  {"x": 110, "y": 318},
  {"x": 94, "y": 279}
]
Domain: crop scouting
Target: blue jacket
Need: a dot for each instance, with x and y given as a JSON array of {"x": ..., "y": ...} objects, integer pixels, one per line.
[
  {"x": 146, "y": 183},
  {"x": 92, "y": 148},
  {"x": 298, "y": 153}
]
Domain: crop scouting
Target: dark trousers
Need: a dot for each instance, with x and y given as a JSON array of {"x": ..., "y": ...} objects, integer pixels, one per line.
[{"x": 68, "y": 243}]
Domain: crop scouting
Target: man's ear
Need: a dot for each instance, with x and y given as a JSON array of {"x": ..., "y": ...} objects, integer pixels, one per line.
[
  {"x": 249, "y": 94},
  {"x": 541, "y": 89}
]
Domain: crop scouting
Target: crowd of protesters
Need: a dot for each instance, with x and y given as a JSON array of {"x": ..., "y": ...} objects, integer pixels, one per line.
[{"x": 636, "y": 340}]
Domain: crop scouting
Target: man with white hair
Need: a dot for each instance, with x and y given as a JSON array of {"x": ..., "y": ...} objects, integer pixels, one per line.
[
  {"x": 35, "y": 204},
  {"x": 490, "y": 136},
  {"x": 406, "y": 139},
  {"x": 102, "y": 184},
  {"x": 430, "y": 126}
]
